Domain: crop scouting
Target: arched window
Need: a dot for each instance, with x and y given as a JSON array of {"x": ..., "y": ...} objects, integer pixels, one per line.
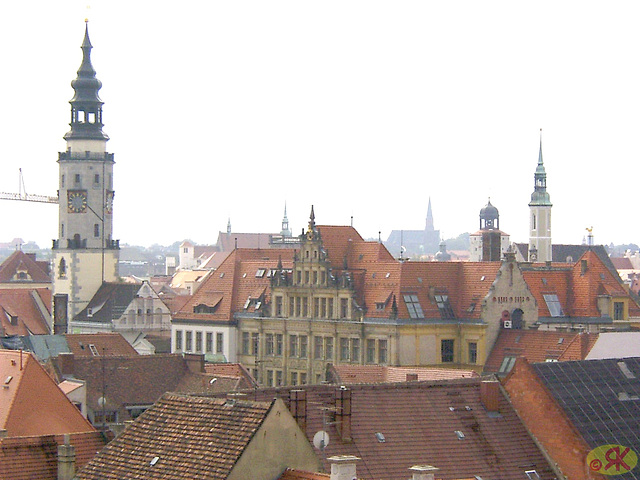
[{"x": 517, "y": 321}]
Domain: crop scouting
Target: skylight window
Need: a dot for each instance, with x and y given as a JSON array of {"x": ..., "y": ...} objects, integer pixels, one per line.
[
  {"x": 7, "y": 381},
  {"x": 459, "y": 434},
  {"x": 260, "y": 273},
  {"x": 380, "y": 437},
  {"x": 94, "y": 350},
  {"x": 532, "y": 475},
  {"x": 507, "y": 364},
  {"x": 413, "y": 305},
  {"x": 446, "y": 312},
  {"x": 553, "y": 304},
  {"x": 626, "y": 371}
]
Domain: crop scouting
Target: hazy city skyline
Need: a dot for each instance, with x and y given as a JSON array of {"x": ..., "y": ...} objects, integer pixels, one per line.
[{"x": 363, "y": 109}]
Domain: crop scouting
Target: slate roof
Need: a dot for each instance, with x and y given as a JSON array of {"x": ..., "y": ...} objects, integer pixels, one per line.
[
  {"x": 27, "y": 458},
  {"x": 109, "y": 302},
  {"x": 31, "y": 402},
  {"x": 419, "y": 421},
  {"x": 537, "y": 346},
  {"x": 35, "y": 271},
  {"x": 191, "y": 437},
  {"x": 104, "y": 343},
  {"x": 600, "y": 397},
  {"x": 350, "y": 374},
  {"x": 227, "y": 241},
  {"x": 28, "y": 308}
]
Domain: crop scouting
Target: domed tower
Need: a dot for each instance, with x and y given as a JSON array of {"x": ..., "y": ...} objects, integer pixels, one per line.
[
  {"x": 489, "y": 243},
  {"x": 540, "y": 215},
  {"x": 85, "y": 254}
]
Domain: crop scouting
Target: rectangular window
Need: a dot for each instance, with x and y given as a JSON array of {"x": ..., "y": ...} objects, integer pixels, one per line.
[
  {"x": 279, "y": 344},
  {"x": 96, "y": 179},
  {"x": 245, "y": 343},
  {"x": 219, "y": 342},
  {"x": 355, "y": 350},
  {"x": 444, "y": 306},
  {"x": 178, "y": 341},
  {"x": 298, "y": 277},
  {"x": 315, "y": 277},
  {"x": 371, "y": 350},
  {"x": 618, "y": 310},
  {"x": 344, "y": 307},
  {"x": 278, "y": 378},
  {"x": 293, "y": 345},
  {"x": 278, "y": 306},
  {"x": 303, "y": 378},
  {"x": 330, "y": 309},
  {"x": 209, "y": 343},
  {"x": 255, "y": 339},
  {"x": 189, "y": 341},
  {"x": 553, "y": 304},
  {"x": 446, "y": 350},
  {"x": 96, "y": 230},
  {"x": 507, "y": 364},
  {"x": 316, "y": 307},
  {"x": 298, "y": 305},
  {"x": 291, "y": 306},
  {"x": 323, "y": 277},
  {"x": 413, "y": 306},
  {"x": 269, "y": 344},
  {"x": 198, "y": 342},
  {"x": 473, "y": 352},
  {"x": 77, "y": 179},
  {"x": 344, "y": 349},
  {"x": 269, "y": 378},
  {"x": 318, "y": 346},
  {"x": 294, "y": 378},
  {"x": 305, "y": 306},
  {"x": 328, "y": 348},
  {"x": 306, "y": 277},
  {"x": 303, "y": 346},
  {"x": 62, "y": 181},
  {"x": 382, "y": 352},
  {"x": 323, "y": 308}
]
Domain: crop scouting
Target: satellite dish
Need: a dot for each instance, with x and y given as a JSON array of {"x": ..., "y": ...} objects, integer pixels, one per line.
[
  {"x": 102, "y": 401},
  {"x": 321, "y": 440}
]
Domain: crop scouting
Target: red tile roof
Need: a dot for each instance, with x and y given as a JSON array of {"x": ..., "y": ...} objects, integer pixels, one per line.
[
  {"x": 418, "y": 421},
  {"x": 109, "y": 344},
  {"x": 537, "y": 346},
  {"x": 189, "y": 437},
  {"x": 350, "y": 374},
  {"x": 30, "y": 401},
  {"x": 22, "y": 267},
  {"x": 26, "y": 308},
  {"x": 293, "y": 474},
  {"x": 28, "y": 458}
]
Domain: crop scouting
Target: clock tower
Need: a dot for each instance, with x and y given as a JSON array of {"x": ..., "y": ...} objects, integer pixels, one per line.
[{"x": 84, "y": 254}]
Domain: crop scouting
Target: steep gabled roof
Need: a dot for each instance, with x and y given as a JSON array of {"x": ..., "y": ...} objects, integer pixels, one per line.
[
  {"x": 180, "y": 436},
  {"x": 24, "y": 311},
  {"x": 227, "y": 242},
  {"x": 109, "y": 302},
  {"x": 30, "y": 401},
  {"x": 418, "y": 423},
  {"x": 22, "y": 267}
]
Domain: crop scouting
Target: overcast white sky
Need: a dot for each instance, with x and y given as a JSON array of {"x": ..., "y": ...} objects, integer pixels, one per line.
[{"x": 361, "y": 108}]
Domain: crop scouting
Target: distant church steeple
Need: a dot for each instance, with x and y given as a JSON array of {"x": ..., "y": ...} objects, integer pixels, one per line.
[
  {"x": 429, "y": 225},
  {"x": 540, "y": 215},
  {"x": 229, "y": 226},
  {"x": 286, "y": 231}
]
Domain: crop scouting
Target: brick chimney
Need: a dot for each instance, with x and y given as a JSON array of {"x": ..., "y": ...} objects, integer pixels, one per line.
[
  {"x": 298, "y": 407},
  {"x": 343, "y": 413},
  {"x": 584, "y": 345},
  {"x": 66, "y": 460},
  {"x": 490, "y": 394},
  {"x": 66, "y": 363},
  {"x": 423, "y": 472},
  {"x": 195, "y": 362},
  {"x": 343, "y": 467}
]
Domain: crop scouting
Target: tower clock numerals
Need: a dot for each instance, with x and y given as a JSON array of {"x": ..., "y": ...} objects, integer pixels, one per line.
[{"x": 77, "y": 201}]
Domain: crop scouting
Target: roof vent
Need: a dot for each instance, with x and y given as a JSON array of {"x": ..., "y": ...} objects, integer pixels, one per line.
[
  {"x": 459, "y": 434},
  {"x": 380, "y": 437},
  {"x": 154, "y": 460}
]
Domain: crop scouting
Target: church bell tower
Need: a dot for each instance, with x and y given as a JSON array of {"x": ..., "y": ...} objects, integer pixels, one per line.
[
  {"x": 540, "y": 215},
  {"x": 85, "y": 254}
]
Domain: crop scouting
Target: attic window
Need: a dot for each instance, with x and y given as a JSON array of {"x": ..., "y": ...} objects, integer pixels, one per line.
[
  {"x": 94, "y": 350},
  {"x": 446, "y": 312},
  {"x": 380, "y": 437},
  {"x": 247, "y": 303},
  {"x": 380, "y": 305},
  {"x": 602, "y": 276},
  {"x": 154, "y": 460},
  {"x": 373, "y": 275},
  {"x": 626, "y": 371},
  {"x": 459, "y": 434},
  {"x": 260, "y": 273},
  {"x": 532, "y": 475},
  {"x": 560, "y": 340},
  {"x": 244, "y": 275},
  {"x": 222, "y": 275},
  {"x": 419, "y": 279},
  {"x": 387, "y": 275},
  {"x": 413, "y": 305},
  {"x": 482, "y": 278},
  {"x": 507, "y": 364},
  {"x": 7, "y": 380},
  {"x": 553, "y": 304},
  {"x": 361, "y": 256},
  {"x": 544, "y": 281},
  {"x": 472, "y": 307}
]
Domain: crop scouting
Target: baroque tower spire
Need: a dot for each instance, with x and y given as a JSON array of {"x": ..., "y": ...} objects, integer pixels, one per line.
[{"x": 540, "y": 215}]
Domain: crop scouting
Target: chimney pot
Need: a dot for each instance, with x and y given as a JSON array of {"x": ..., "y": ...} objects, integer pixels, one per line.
[
  {"x": 423, "y": 472},
  {"x": 490, "y": 395},
  {"x": 66, "y": 460},
  {"x": 343, "y": 467}
]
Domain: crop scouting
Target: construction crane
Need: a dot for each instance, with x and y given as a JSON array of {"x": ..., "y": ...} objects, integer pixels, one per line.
[{"x": 24, "y": 196}]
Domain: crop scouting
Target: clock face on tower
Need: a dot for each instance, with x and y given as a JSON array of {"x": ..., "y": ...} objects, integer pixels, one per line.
[{"x": 77, "y": 201}]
